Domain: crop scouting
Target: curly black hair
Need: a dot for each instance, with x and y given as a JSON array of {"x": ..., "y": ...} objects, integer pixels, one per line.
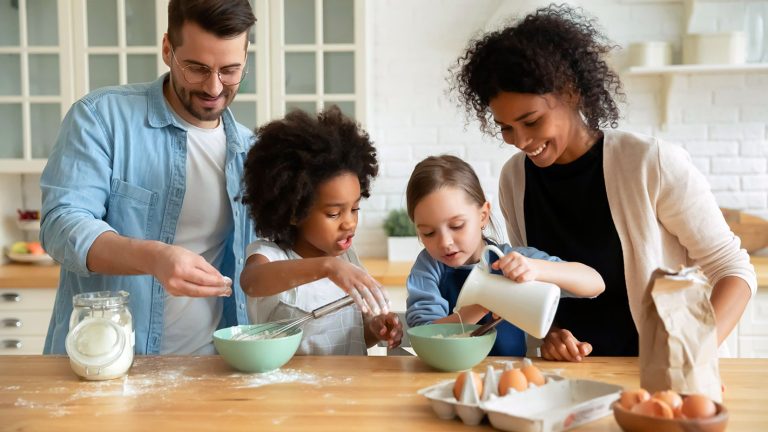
[
  {"x": 553, "y": 50},
  {"x": 294, "y": 155}
]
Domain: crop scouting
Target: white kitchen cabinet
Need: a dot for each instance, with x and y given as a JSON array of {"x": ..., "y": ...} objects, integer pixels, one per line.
[
  {"x": 36, "y": 88},
  {"x": 317, "y": 52},
  {"x": 303, "y": 54},
  {"x": 753, "y": 327},
  {"x": 24, "y": 317}
]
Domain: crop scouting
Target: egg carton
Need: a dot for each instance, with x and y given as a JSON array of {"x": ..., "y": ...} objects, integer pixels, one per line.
[{"x": 559, "y": 404}]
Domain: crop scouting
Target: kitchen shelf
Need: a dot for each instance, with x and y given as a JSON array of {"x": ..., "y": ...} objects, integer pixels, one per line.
[
  {"x": 696, "y": 68},
  {"x": 22, "y": 166},
  {"x": 671, "y": 72}
]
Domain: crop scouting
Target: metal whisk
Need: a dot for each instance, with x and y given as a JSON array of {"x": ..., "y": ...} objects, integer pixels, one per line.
[{"x": 284, "y": 326}]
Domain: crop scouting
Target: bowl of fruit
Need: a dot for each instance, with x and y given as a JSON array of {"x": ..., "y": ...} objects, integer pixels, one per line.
[
  {"x": 668, "y": 411},
  {"x": 29, "y": 252},
  {"x": 28, "y": 220}
]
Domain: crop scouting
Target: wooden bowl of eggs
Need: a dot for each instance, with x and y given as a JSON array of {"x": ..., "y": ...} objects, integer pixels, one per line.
[{"x": 668, "y": 411}]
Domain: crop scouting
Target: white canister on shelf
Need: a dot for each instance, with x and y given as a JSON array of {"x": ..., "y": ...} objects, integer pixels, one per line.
[
  {"x": 715, "y": 48},
  {"x": 650, "y": 54}
]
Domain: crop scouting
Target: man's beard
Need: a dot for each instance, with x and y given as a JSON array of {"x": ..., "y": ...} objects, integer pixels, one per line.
[{"x": 204, "y": 114}]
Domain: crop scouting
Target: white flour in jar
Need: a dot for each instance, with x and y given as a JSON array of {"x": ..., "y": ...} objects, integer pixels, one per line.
[{"x": 95, "y": 346}]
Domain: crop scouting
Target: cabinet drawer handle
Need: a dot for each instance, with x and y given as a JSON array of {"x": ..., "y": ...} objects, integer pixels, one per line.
[
  {"x": 11, "y": 322},
  {"x": 11, "y": 297},
  {"x": 12, "y": 344}
]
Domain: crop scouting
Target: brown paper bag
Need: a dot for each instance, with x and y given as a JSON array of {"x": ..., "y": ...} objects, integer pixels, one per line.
[{"x": 678, "y": 337}]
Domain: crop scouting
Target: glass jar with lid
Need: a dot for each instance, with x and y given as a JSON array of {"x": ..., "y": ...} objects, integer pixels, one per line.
[{"x": 101, "y": 339}]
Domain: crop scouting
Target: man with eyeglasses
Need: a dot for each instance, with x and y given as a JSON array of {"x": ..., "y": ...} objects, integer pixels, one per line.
[{"x": 141, "y": 192}]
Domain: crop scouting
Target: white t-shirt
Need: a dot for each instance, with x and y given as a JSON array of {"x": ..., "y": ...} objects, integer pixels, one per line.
[
  {"x": 340, "y": 333},
  {"x": 203, "y": 226}
]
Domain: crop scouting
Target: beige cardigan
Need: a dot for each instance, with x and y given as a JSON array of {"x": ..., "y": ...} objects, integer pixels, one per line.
[{"x": 663, "y": 209}]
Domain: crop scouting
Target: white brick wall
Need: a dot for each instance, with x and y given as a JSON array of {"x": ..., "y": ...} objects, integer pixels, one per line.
[{"x": 721, "y": 119}]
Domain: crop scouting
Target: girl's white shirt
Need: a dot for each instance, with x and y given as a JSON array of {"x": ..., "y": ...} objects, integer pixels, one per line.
[{"x": 340, "y": 333}]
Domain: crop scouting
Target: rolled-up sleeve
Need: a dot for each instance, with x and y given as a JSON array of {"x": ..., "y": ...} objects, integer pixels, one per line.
[
  {"x": 687, "y": 208},
  {"x": 75, "y": 188}
]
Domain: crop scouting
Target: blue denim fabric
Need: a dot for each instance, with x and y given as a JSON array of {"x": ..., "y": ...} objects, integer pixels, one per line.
[{"x": 119, "y": 164}]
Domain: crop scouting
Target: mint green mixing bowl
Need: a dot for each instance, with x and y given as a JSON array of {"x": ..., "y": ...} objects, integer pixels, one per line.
[
  {"x": 257, "y": 355},
  {"x": 450, "y": 354}
]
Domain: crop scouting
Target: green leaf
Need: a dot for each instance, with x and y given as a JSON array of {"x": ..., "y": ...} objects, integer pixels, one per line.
[{"x": 398, "y": 224}]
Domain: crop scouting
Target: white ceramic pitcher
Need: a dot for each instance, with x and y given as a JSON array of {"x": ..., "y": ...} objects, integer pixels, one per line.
[{"x": 531, "y": 306}]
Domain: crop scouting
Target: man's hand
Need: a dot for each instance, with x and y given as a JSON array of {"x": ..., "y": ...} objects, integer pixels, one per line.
[
  {"x": 561, "y": 345},
  {"x": 187, "y": 274}
]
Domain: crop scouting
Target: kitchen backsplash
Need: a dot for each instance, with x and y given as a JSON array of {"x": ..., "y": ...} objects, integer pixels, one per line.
[{"x": 720, "y": 118}]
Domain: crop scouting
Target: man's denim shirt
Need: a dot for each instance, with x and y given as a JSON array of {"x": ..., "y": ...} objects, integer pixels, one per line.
[{"x": 119, "y": 165}]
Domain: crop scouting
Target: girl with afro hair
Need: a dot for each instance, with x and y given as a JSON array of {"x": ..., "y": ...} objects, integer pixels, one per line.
[
  {"x": 304, "y": 180},
  {"x": 619, "y": 202}
]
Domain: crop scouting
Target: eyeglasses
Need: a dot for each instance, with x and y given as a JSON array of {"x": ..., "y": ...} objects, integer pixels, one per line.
[{"x": 195, "y": 74}]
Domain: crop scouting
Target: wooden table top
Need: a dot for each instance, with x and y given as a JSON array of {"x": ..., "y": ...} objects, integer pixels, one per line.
[{"x": 308, "y": 394}]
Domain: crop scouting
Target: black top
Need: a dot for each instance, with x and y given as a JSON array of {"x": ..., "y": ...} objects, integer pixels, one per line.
[{"x": 567, "y": 215}]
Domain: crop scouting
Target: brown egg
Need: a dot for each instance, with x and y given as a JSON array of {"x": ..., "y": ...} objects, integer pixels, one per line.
[
  {"x": 459, "y": 385},
  {"x": 533, "y": 375},
  {"x": 630, "y": 398},
  {"x": 678, "y": 414},
  {"x": 512, "y": 379},
  {"x": 654, "y": 408},
  {"x": 697, "y": 406},
  {"x": 670, "y": 397}
]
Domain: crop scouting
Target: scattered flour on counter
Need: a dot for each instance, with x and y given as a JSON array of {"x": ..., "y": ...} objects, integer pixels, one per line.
[
  {"x": 134, "y": 385},
  {"x": 53, "y": 409},
  {"x": 278, "y": 376},
  {"x": 158, "y": 382}
]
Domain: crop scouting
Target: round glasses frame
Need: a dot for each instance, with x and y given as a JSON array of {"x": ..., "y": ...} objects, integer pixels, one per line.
[{"x": 203, "y": 72}]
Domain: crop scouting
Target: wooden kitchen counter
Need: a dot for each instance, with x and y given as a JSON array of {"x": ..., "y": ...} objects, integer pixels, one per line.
[
  {"x": 47, "y": 276},
  {"x": 29, "y": 276},
  {"x": 307, "y": 394}
]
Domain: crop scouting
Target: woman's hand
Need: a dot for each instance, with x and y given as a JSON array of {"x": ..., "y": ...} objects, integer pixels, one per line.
[
  {"x": 368, "y": 294},
  {"x": 561, "y": 345},
  {"x": 387, "y": 327},
  {"x": 517, "y": 267}
]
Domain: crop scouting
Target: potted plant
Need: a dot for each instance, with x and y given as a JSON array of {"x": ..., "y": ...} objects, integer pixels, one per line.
[{"x": 402, "y": 242}]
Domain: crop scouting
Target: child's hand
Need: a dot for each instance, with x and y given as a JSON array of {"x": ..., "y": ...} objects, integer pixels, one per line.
[
  {"x": 387, "y": 327},
  {"x": 517, "y": 267},
  {"x": 368, "y": 294},
  {"x": 561, "y": 345}
]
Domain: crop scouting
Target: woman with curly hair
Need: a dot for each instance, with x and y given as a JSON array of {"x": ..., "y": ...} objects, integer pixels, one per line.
[
  {"x": 621, "y": 203},
  {"x": 304, "y": 180}
]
